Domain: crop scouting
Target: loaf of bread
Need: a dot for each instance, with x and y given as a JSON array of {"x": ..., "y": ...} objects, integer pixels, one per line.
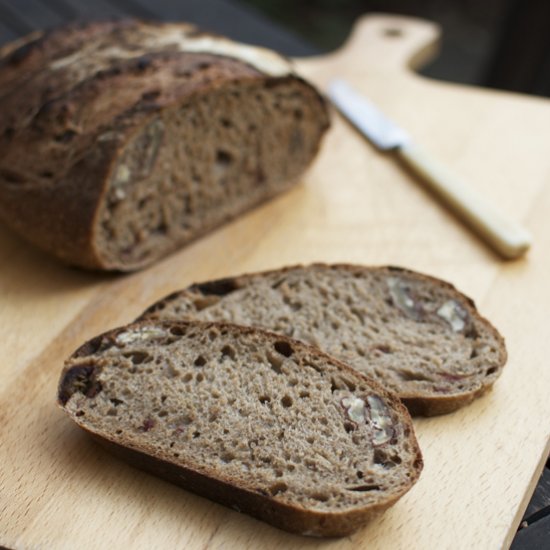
[
  {"x": 416, "y": 335},
  {"x": 254, "y": 420},
  {"x": 122, "y": 141}
]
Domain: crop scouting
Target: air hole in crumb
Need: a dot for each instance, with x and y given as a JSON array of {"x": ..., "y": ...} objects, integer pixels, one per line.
[
  {"x": 229, "y": 351},
  {"x": 284, "y": 348},
  {"x": 492, "y": 370},
  {"x": 212, "y": 335},
  {"x": 359, "y": 474},
  {"x": 188, "y": 377},
  {"x": 138, "y": 357},
  {"x": 112, "y": 412},
  {"x": 380, "y": 457},
  {"x": 286, "y": 401},
  {"x": 323, "y": 421},
  {"x": 349, "y": 427},
  {"x": 265, "y": 399},
  {"x": 199, "y": 377},
  {"x": 116, "y": 402},
  {"x": 80, "y": 413},
  {"x": 200, "y": 361},
  {"x": 162, "y": 413},
  {"x": 226, "y": 123},
  {"x": 227, "y": 457},
  {"x": 196, "y": 434},
  {"x": 321, "y": 497},
  {"x": 277, "y": 488},
  {"x": 177, "y": 331},
  {"x": 304, "y": 394},
  {"x": 223, "y": 158},
  {"x": 118, "y": 432},
  {"x": 310, "y": 440}
]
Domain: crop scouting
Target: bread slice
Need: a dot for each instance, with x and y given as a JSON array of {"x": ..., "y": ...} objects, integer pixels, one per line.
[
  {"x": 256, "y": 421},
  {"x": 416, "y": 335},
  {"x": 122, "y": 141}
]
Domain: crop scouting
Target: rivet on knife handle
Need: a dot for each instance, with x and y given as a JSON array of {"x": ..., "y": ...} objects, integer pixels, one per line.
[{"x": 505, "y": 236}]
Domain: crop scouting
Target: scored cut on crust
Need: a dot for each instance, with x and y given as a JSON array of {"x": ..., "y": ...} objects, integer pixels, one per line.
[{"x": 123, "y": 141}]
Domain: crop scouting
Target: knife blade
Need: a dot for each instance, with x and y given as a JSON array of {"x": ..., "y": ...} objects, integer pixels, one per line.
[{"x": 503, "y": 235}]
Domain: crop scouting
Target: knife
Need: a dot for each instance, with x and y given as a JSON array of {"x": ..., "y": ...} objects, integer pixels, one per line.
[{"x": 505, "y": 236}]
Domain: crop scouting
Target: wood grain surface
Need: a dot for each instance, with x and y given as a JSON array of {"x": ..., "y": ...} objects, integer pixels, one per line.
[{"x": 59, "y": 490}]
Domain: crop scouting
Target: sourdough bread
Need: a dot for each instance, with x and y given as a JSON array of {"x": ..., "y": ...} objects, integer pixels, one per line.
[
  {"x": 254, "y": 420},
  {"x": 122, "y": 141},
  {"x": 416, "y": 335}
]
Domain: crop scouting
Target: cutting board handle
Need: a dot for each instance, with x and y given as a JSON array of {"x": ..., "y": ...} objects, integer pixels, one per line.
[{"x": 389, "y": 42}]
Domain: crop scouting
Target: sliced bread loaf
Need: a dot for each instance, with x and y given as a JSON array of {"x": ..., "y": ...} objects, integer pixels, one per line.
[
  {"x": 416, "y": 335},
  {"x": 122, "y": 141},
  {"x": 256, "y": 421}
]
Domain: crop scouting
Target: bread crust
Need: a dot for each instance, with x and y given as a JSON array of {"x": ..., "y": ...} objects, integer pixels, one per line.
[
  {"x": 419, "y": 404},
  {"x": 214, "y": 486},
  {"x": 75, "y": 117}
]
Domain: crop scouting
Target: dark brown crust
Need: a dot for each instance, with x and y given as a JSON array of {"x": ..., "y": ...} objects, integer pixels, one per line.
[
  {"x": 54, "y": 201},
  {"x": 211, "y": 485},
  {"x": 418, "y": 404},
  {"x": 288, "y": 518}
]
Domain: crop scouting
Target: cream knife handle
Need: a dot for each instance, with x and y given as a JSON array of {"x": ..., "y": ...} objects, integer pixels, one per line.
[{"x": 503, "y": 235}]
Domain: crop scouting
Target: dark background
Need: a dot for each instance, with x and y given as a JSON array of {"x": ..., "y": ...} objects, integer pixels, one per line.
[{"x": 497, "y": 43}]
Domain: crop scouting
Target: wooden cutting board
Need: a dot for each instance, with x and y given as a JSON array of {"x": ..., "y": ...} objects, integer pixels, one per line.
[{"x": 59, "y": 490}]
